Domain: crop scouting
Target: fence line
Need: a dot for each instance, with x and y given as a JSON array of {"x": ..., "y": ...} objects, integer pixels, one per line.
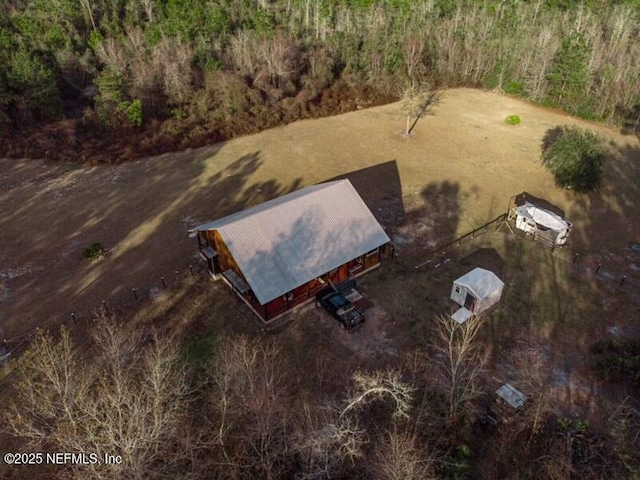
[
  {"x": 625, "y": 280},
  {"x": 441, "y": 250},
  {"x": 138, "y": 294}
]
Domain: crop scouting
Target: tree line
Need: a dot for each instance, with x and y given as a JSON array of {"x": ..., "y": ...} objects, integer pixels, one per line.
[
  {"x": 192, "y": 69},
  {"x": 238, "y": 407}
]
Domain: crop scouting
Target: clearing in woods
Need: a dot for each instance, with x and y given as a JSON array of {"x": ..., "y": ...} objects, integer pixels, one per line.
[{"x": 456, "y": 172}]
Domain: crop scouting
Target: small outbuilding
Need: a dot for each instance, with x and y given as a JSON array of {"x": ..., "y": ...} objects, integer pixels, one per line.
[
  {"x": 508, "y": 402},
  {"x": 542, "y": 223},
  {"x": 475, "y": 292}
]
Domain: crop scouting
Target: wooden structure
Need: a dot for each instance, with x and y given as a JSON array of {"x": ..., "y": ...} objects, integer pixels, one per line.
[{"x": 279, "y": 254}]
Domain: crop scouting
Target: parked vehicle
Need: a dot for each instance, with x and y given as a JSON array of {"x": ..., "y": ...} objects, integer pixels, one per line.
[{"x": 342, "y": 309}]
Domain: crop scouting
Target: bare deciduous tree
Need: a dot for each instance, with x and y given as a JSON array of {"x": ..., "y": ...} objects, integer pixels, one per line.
[
  {"x": 323, "y": 441},
  {"x": 377, "y": 385},
  {"x": 458, "y": 361},
  {"x": 398, "y": 458},
  {"x": 416, "y": 102},
  {"x": 413, "y": 52},
  {"x": 130, "y": 400},
  {"x": 172, "y": 59},
  {"x": 251, "y": 412}
]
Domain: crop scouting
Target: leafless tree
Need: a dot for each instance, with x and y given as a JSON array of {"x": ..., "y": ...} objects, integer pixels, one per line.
[
  {"x": 130, "y": 399},
  {"x": 172, "y": 58},
  {"x": 378, "y": 385},
  {"x": 250, "y": 408},
  {"x": 323, "y": 441},
  {"x": 458, "y": 361},
  {"x": 417, "y": 102},
  {"x": 398, "y": 457},
  {"x": 413, "y": 52}
]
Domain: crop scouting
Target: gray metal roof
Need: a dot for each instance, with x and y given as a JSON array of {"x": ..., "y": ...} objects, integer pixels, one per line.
[
  {"x": 511, "y": 395},
  {"x": 286, "y": 242},
  {"x": 543, "y": 217},
  {"x": 481, "y": 282}
]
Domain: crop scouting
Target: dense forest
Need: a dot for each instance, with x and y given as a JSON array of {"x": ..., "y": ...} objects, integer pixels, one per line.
[{"x": 143, "y": 76}]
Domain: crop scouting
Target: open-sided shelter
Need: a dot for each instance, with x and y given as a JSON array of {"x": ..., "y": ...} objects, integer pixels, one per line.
[
  {"x": 475, "y": 292},
  {"x": 542, "y": 223},
  {"x": 281, "y": 253}
]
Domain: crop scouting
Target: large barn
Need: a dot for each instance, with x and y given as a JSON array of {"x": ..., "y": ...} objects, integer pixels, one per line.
[{"x": 281, "y": 253}]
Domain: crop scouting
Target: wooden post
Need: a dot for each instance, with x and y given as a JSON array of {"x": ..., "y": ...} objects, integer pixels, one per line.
[
  {"x": 624, "y": 277},
  {"x": 135, "y": 294},
  {"x": 73, "y": 317},
  {"x": 164, "y": 283}
]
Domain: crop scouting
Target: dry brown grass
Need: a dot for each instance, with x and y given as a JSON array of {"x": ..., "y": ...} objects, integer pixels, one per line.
[{"x": 458, "y": 170}]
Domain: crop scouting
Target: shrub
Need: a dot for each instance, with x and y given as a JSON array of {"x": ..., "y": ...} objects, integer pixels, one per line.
[
  {"x": 514, "y": 88},
  {"x": 513, "y": 120},
  {"x": 574, "y": 156},
  {"x": 617, "y": 359},
  {"x": 134, "y": 113},
  {"x": 94, "y": 251}
]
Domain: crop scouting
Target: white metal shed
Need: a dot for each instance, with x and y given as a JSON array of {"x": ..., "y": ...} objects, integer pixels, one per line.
[{"x": 477, "y": 290}]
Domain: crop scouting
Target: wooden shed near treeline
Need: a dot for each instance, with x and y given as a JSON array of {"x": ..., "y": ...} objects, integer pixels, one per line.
[{"x": 279, "y": 254}]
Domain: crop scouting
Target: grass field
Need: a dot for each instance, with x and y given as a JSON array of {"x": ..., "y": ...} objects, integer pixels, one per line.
[{"x": 458, "y": 170}]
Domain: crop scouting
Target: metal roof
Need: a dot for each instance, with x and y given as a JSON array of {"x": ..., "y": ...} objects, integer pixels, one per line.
[
  {"x": 481, "y": 282},
  {"x": 286, "y": 242},
  {"x": 511, "y": 395},
  {"x": 543, "y": 217}
]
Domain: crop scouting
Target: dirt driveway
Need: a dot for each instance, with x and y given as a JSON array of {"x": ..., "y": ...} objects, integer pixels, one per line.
[{"x": 458, "y": 170}]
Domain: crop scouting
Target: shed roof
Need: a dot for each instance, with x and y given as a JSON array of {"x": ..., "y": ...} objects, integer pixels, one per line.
[
  {"x": 543, "y": 217},
  {"x": 288, "y": 241},
  {"x": 481, "y": 282},
  {"x": 511, "y": 395}
]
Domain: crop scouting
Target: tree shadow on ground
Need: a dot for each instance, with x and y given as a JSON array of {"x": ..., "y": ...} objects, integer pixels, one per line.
[
  {"x": 140, "y": 211},
  {"x": 487, "y": 258},
  {"x": 438, "y": 217},
  {"x": 609, "y": 215},
  {"x": 432, "y": 100},
  {"x": 630, "y": 119},
  {"x": 523, "y": 197},
  {"x": 381, "y": 189}
]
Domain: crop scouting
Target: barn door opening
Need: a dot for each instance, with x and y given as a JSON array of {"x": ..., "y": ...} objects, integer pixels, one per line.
[
  {"x": 469, "y": 302},
  {"x": 212, "y": 258},
  {"x": 214, "y": 265}
]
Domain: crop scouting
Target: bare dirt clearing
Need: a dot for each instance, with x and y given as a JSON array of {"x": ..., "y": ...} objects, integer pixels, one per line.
[{"x": 457, "y": 171}]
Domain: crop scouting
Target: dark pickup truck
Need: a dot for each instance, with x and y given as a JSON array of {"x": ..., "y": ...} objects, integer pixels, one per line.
[{"x": 342, "y": 309}]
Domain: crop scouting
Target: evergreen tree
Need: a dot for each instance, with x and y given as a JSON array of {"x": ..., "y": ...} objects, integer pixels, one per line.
[
  {"x": 569, "y": 73},
  {"x": 575, "y": 157}
]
